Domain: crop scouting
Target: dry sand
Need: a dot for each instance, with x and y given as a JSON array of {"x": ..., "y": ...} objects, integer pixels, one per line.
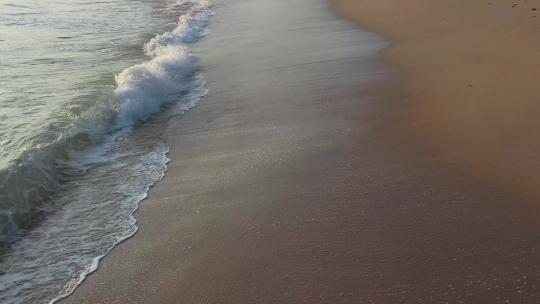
[
  {"x": 471, "y": 75},
  {"x": 312, "y": 174}
]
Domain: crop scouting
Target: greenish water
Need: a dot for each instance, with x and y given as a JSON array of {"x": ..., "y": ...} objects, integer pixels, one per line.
[{"x": 82, "y": 99}]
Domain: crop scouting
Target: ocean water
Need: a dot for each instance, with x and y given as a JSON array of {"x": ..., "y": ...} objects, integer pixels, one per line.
[{"x": 87, "y": 90}]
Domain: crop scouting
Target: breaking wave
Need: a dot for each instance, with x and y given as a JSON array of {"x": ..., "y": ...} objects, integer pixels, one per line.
[{"x": 66, "y": 204}]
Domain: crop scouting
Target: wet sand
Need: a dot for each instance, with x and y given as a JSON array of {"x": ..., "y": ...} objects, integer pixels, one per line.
[{"x": 302, "y": 178}]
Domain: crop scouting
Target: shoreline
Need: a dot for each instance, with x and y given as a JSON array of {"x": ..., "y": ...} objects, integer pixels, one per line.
[
  {"x": 298, "y": 179},
  {"x": 277, "y": 108}
]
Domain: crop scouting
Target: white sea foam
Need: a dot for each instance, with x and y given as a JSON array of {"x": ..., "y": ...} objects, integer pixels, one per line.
[
  {"x": 95, "y": 206},
  {"x": 190, "y": 29},
  {"x": 145, "y": 87}
]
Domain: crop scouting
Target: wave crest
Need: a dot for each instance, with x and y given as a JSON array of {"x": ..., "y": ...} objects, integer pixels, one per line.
[{"x": 27, "y": 186}]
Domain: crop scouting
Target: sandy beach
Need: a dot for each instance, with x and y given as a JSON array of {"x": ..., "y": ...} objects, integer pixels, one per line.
[
  {"x": 322, "y": 169},
  {"x": 470, "y": 79}
]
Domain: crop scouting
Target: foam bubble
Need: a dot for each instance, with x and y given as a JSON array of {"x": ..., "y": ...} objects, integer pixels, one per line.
[
  {"x": 114, "y": 169},
  {"x": 145, "y": 87}
]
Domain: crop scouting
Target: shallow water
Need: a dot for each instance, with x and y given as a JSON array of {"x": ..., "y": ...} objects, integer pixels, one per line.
[{"x": 87, "y": 88}]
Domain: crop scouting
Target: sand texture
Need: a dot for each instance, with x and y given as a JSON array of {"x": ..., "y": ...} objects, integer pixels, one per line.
[
  {"x": 314, "y": 173},
  {"x": 471, "y": 74}
]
